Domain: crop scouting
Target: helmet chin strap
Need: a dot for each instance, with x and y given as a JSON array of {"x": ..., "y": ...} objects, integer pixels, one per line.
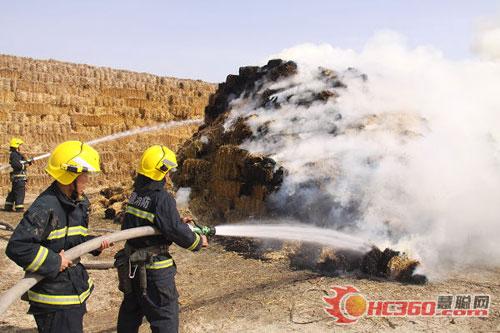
[{"x": 74, "y": 194}]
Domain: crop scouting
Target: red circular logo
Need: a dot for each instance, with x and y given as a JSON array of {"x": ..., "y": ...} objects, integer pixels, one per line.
[{"x": 346, "y": 305}]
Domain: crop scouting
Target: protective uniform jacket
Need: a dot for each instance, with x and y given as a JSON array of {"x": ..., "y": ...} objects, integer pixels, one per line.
[
  {"x": 52, "y": 223},
  {"x": 18, "y": 163},
  {"x": 150, "y": 204}
]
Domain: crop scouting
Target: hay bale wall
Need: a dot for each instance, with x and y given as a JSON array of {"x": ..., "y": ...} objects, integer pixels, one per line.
[{"x": 46, "y": 102}]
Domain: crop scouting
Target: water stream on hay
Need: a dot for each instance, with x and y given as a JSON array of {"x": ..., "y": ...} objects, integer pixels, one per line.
[{"x": 296, "y": 232}]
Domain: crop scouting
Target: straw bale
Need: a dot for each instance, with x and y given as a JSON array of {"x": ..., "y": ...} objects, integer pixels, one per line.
[{"x": 47, "y": 102}]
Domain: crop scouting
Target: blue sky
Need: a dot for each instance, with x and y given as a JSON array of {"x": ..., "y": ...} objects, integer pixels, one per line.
[{"x": 209, "y": 39}]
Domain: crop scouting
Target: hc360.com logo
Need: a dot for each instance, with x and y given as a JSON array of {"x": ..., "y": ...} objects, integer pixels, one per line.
[{"x": 347, "y": 305}]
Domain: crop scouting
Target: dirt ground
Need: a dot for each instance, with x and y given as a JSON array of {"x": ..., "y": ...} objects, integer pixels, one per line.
[{"x": 221, "y": 291}]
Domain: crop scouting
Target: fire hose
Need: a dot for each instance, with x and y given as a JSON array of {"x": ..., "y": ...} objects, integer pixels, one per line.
[
  {"x": 98, "y": 265},
  {"x": 93, "y": 265},
  {"x": 6, "y": 226},
  {"x": 30, "y": 279}
]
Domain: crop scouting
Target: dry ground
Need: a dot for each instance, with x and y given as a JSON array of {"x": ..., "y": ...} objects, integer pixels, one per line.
[{"x": 224, "y": 292}]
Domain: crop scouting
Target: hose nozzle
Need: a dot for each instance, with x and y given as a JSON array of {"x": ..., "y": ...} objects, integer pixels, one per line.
[{"x": 208, "y": 231}]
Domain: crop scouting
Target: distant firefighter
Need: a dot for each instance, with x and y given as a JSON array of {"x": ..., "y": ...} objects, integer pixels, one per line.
[{"x": 15, "y": 198}]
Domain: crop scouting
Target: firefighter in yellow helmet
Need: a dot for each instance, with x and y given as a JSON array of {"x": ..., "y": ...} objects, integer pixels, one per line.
[
  {"x": 57, "y": 221},
  {"x": 151, "y": 291},
  {"x": 15, "y": 198}
]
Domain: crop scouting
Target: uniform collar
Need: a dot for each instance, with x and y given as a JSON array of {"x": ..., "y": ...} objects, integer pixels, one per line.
[
  {"x": 145, "y": 183},
  {"x": 63, "y": 198},
  {"x": 17, "y": 152}
]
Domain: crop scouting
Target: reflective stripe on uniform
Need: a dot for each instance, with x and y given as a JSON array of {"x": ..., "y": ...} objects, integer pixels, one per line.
[
  {"x": 40, "y": 257},
  {"x": 140, "y": 213},
  {"x": 160, "y": 264},
  {"x": 61, "y": 299},
  {"x": 78, "y": 231},
  {"x": 71, "y": 231},
  {"x": 19, "y": 206},
  {"x": 195, "y": 243},
  {"x": 19, "y": 176},
  {"x": 58, "y": 233}
]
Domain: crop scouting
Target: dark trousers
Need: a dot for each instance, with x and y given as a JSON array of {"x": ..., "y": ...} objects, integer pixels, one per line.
[
  {"x": 15, "y": 198},
  {"x": 65, "y": 320},
  {"x": 159, "y": 304}
]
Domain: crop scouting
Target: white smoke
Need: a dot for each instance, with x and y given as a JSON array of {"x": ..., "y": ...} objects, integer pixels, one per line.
[
  {"x": 487, "y": 40},
  {"x": 407, "y": 158},
  {"x": 182, "y": 197}
]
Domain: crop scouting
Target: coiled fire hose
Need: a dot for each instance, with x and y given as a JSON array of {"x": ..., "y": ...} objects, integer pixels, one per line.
[{"x": 30, "y": 279}]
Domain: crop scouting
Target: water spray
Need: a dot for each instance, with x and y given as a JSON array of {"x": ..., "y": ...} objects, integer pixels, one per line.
[
  {"x": 296, "y": 232},
  {"x": 135, "y": 131},
  {"x": 286, "y": 231}
]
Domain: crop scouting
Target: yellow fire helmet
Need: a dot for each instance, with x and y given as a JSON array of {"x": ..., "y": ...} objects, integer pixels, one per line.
[
  {"x": 71, "y": 158},
  {"x": 16, "y": 142},
  {"x": 156, "y": 162}
]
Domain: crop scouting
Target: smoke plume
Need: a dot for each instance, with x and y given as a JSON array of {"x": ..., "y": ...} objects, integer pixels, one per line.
[
  {"x": 407, "y": 155},
  {"x": 182, "y": 197},
  {"x": 487, "y": 40}
]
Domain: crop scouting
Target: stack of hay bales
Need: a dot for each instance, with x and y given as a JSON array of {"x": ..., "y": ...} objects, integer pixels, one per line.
[
  {"x": 47, "y": 102},
  {"x": 229, "y": 183}
]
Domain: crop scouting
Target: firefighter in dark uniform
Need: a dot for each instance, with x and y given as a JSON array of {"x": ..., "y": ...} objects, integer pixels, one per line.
[
  {"x": 152, "y": 292},
  {"x": 15, "y": 198},
  {"x": 57, "y": 221}
]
